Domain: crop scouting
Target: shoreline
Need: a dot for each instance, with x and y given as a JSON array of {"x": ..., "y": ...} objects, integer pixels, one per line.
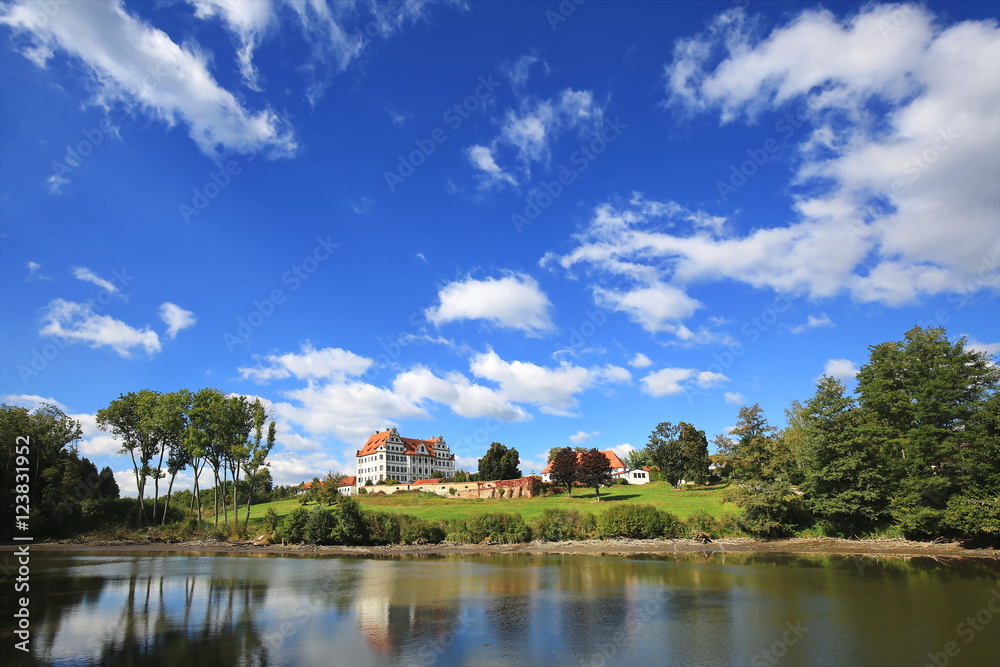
[{"x": 821, "y": 546}]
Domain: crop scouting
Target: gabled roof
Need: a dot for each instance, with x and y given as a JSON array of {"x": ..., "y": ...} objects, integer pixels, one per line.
[
  {"x": 348, "y": 481},
  {"x": 612, "y": 458},
  {"x": 436, "y": 480},
  {"x": 410, "y": 445}
]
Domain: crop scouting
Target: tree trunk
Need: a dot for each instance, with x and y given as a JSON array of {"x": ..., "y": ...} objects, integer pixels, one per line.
[
  {"x": 216, "y": 496},
  {"x": 166, "y": 502}
]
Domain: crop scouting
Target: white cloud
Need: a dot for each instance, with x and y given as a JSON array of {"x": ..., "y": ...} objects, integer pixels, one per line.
[
  {"x": 457, "y": 392},
  {"x": 348, "y": 410},
  {"x": 581, "y": 436},
  {"x": 134, "y": 63},
  {"x": 96, "y": 442},
  {"x": 872, "y": 185},
  {"x": 512, "y": 302},
  {"x": 519, "y": 70},
  {"x": 552, "y": 389},
  {"x": 330, "y": 363},
  {"x": 990, "y": 349},
  {"x": 840, "y": 369},
  {"x": 85, "y": 274},
  {"x": 670, "y": 381},
  {"x": 32, "y": 401},
  {"x": 734, "y": 398},
  {"x": 640, "y": 360},
  {"x": 294, "y": 467},
  {"x": 78, "y": 322},
  {"x": 529, "y": 132},
  {"x": 248, "y": 21},
  {"x": 176, "y": 318},
  {"x": 657, "y": 307},
  {"x": 813, "y": 322},
  {"x": 482, "y": 159},
  {"x": 622, "y": 450}
]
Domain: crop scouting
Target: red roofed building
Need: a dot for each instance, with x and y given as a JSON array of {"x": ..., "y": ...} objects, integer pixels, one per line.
[
  {"x": 347, "y": 485},
  {"x": 387, "y": 455},
  {"x": 617, "y": 466}
]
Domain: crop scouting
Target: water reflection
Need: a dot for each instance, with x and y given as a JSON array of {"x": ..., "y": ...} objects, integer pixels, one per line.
[{"x": 686, "y": 609}]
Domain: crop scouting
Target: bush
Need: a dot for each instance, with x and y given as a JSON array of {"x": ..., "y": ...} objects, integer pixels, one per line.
[
  {"x": 702, "y": 522},
  {"x": 622, "y": 481},
  {"x": 417, "y": 531},
  {"x": 319, "y": 526},
  {"x": 382, "y": 527},
  {"x": 970, "y": 516},
  {"x": 102, "y": 512},
  {"x": 495, "y": 527},
  {"x": 270, "y": 521},
  {"x": 350, "y": 525},
  {"x": 639, "y": 521},
  {"x": 557, "y": 525},
  {"x": 292, "y": 527}
]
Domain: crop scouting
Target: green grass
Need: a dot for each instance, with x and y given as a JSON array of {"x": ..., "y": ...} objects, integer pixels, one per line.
[{"x": 431, "y": 507}]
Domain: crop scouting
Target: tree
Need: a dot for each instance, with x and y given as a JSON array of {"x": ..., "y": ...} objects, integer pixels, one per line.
[
  {"x": 694, "y": 451},
  {"x": 771, "y": 506},
  {"x": 564, "y": 468},
  {"x": 255, "y": 461},
  {"x": 499, "y": 462},
  {"x": 665, "y": 451},
  {"x": 131, "y": 418},
  {"x": 843, "y": 473},
  {"x": 199, "y": 438},
  {"x": 328, "y": 492},
  {"x": 924, "y": 395},
  {"x": 108, "y": 486},
  {"x": 172, "y": 425},
  {"x": 594, "y": 470},
  {"x": 637, "y": 459}
]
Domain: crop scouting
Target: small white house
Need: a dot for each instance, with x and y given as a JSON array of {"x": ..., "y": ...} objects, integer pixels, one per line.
[{"x": 633, "y": 476}]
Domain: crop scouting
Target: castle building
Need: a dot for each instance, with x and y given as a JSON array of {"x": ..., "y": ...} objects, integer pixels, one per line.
[{"x": 387, "y": 455}]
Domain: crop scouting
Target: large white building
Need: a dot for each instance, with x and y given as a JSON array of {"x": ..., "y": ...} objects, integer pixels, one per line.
[{"x": 387, "y": 455}]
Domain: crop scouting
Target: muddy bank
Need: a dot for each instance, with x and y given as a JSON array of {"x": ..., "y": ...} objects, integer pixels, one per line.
[{"x": 817, "y": 546}]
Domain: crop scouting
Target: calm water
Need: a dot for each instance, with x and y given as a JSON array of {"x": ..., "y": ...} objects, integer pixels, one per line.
[{"x": 738, "y": 609}]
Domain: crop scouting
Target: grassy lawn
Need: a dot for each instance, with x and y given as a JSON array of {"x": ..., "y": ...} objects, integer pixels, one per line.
[{"x": 682, "y": 503}]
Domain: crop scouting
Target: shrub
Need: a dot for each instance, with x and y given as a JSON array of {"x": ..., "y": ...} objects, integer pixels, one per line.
[
  {"x": 270, "y": 521},
  {"x": 382, "y": 527},
  {"x": 292, "y": 527},
  {"x": 557, "y": 525},
  {"x": 497, "y": 527},
  {"x": 639, "y": 521},
  {"x": 702, "y": 522},
  {"x": 100, "y": 512},
  {"x": 350, "y": 525},
  {"x": 729, "y": 525},
  {"x": 417, "y": 531},
  {"x": 318, "y": 526}
]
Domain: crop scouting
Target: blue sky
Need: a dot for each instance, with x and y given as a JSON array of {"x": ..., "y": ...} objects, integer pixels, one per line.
[{"x": 537, "y": 223}]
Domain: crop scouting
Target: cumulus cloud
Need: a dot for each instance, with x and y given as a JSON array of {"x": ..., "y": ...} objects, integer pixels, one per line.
[
  {"x": 132, "y": 62},
  {"x": 514, "y": 301},
  {"x": 841, "y": 369},
  {"x": 670, "y": 381},
  {"x": 902, "y": 133},
  {"x": 734, "y": 398},
  {"x": 176, "y": 318},
  {"x": 640, "y": 360},
  {"x": 813, "y": 322},
  {"x": 582, "y": 436},
  {"x": 77, "y": 322},
  {"x": 455, "y": 390},
  {"x": 330, "y": 363}
]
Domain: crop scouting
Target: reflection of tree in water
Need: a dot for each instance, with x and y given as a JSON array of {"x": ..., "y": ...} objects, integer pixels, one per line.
[
  {"x": 226, "y": 633},
  {"x": 52, "y": 599}
]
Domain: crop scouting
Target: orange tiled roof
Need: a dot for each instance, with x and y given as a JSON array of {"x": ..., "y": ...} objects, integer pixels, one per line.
[
  {"x": 411, "y": 445},
  {"x": 348, "y": 481},
  {"x": 608, "y": 454},
  {"x": 436, "y": 480}
]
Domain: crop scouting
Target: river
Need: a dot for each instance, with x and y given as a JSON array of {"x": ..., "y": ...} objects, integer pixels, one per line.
[{"x": 506, "y": 609}]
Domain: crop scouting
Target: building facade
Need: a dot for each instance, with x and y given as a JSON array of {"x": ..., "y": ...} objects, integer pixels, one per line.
[
  {"x": 388, "y": 455},
  {"x": 617, "y": 466}
]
